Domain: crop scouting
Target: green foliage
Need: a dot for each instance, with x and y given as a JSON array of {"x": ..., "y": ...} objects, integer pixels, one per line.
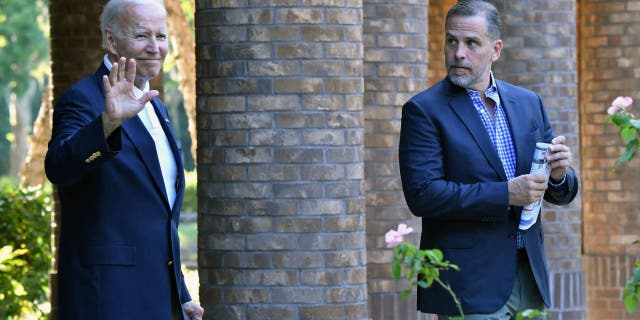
[
  {"x": 423, "y": 269},
  {"x": 24, "y": 43},
  {"x": 628, "y": 128},
  {"x": 631, "y": 292},
  {"x": 25, "y": 251},
  {"x": 532, "y": 314},
  {"x": 24, "y": 56}
]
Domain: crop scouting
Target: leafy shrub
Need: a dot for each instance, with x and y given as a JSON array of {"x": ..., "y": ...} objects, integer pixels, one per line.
[{"x": 25, "y": 251}]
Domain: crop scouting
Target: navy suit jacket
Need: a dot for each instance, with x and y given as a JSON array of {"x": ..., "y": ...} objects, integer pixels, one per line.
[
  {"x": 453, "y": 179},
  {"x": 119, "y": 255}
]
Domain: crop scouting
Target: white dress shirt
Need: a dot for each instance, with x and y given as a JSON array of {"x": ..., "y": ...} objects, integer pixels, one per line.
[{"x": 163, "y": 148}]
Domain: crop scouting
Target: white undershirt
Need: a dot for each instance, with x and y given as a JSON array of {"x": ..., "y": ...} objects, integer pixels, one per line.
[{"x": 150, "y": 120}]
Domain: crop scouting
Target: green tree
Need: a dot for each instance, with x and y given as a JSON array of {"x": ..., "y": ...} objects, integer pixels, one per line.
[
  {"x": 25, "y": 251},
  {"x": 24, "y": 57}
]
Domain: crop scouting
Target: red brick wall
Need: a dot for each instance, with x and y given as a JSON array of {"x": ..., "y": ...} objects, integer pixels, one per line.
[
  {"x": 76, "y": 43},
  {"x": 609, "y": 48},
  {"x": 280, "y": 160},
  {"x": 395, "y": 60}
]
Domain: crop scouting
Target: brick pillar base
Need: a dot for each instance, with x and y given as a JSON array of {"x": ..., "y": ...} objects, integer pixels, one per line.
[
  {"x": 568, "y": 294},
  {"x": 605, "y": 278}
]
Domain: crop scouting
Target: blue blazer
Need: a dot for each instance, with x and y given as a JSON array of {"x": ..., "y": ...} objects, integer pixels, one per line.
[
  {"x": 119, "y": 254},
  {"x": 453, "y": 179}
]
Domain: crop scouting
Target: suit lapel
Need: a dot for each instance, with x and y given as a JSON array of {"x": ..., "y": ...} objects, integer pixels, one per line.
[
  {"x": 142, "y": 141},
  {"x": 463, "y": 107},
  {"x": 161, "y": 112},
  {"x": 516, "y": 119}
]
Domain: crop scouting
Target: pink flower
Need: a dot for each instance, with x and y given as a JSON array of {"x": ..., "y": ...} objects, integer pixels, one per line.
[
  {"x": 394, "y": 238},
  {"x": 619, "y": 104}
]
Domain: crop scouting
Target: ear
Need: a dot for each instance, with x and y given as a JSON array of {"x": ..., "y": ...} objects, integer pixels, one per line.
[
  {"x": 497, "y": 50},
  {"x": 110, "y": 41}
]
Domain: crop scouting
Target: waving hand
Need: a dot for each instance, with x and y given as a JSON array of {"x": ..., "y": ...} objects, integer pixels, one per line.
[{"x": 120, "y": 103}]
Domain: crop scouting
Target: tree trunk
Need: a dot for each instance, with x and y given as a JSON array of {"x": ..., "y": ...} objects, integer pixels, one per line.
[
  {"x": 186, "y": 63},
  {"x": 33, "y": 170},
  {"x": 20, "y": 119}
]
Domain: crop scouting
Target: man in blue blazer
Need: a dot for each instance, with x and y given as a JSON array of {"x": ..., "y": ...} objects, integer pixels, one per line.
[
  {"x": 120, "y": 180},
  {"x": 466, "y": 146}
]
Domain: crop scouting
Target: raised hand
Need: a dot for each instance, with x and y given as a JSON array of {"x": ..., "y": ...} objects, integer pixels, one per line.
[{"x": 120, "y": 103}]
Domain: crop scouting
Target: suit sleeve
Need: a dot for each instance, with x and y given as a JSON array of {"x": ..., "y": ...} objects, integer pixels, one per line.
[
  {"x": 77, "y": 144},
  {"x": 567, "y": 191},
  {"x": 422, "y": 168},
  {"x": 184, "y": 291}
]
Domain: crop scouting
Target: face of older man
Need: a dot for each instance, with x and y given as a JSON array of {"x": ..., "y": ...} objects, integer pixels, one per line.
[{"x": 143, "y": 37}]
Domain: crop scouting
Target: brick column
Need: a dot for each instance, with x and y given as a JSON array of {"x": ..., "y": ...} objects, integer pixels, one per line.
[
  {"x": 395, "y": 39},
  {"x": 437, "y": 13},
  {"x": 280, "y": 169},
  {"x": 540, "y": 54},
  {"x": 609, "y": 64},
  {"x": 75, "y": 53}
]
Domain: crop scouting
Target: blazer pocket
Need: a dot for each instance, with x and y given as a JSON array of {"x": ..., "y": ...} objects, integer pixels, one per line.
[{"x": 109, "y": 255}]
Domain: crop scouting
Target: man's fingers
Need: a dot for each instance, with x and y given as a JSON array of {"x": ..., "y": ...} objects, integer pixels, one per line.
[
  {"x": 122, "y": 63},
  {"x": 131, "y": 70},
  {"x": 106, "y": 84},
  {"x": 148, "y": 96},
  {"x": 559, "y": 140},
  {"x": 113, "y": 75}
]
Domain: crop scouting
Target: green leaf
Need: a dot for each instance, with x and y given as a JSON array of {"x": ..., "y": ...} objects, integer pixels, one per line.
[
  {"x": 396, "y": 269},
  {"x": 627, "y": 133},
  {"x": 619, "y": 119},
  {"x": 410, "y": 274},
  {"x": 434, "y": 255},
  {"x": 405, "y": 294},
  {"x": 630, "y": 303},
  {"x": 627, "y": 156}
]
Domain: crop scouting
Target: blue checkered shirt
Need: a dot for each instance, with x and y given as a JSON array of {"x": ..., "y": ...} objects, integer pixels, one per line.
[{"x": 498, "y": 129}]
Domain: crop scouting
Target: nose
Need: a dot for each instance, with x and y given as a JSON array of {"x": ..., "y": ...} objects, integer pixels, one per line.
[
  {"x": 461, "y": 52},
  {"x": 152, "y": 45}
]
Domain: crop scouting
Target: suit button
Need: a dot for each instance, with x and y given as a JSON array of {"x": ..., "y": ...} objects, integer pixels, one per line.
[
  {"x": 170, "y": 263},
  {"x": 512, "y": 235}
]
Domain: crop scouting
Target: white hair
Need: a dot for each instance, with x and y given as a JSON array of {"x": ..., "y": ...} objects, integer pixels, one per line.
[{"x": 114, "y": 9}]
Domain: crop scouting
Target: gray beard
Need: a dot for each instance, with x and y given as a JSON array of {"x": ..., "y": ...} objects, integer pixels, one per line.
[{"x": 461, "y": 81}]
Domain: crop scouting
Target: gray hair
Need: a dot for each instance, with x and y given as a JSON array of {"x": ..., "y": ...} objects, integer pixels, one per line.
[
  {"x": 113, "y": 10},
  {"x": 470, "y": 8}
]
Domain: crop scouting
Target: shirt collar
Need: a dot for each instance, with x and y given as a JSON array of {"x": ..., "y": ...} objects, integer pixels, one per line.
[{"x": 493, "y": 88}]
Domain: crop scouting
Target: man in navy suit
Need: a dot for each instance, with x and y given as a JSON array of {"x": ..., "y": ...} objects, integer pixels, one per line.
[
  {"x": 466, "y": 146},
  {"x": 120, "y": 180}
]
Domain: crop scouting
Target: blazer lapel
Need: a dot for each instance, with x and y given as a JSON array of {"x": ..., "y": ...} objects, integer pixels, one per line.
[
  {"x": 523, "y": 148},
  {"x": 464, "y": 109},
  {"x": 163, "y": 117},
  {"x": 142, "y": 141}
]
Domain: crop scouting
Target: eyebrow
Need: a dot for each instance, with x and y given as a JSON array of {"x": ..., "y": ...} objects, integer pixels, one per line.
[{"x": 473, "y": 37}]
